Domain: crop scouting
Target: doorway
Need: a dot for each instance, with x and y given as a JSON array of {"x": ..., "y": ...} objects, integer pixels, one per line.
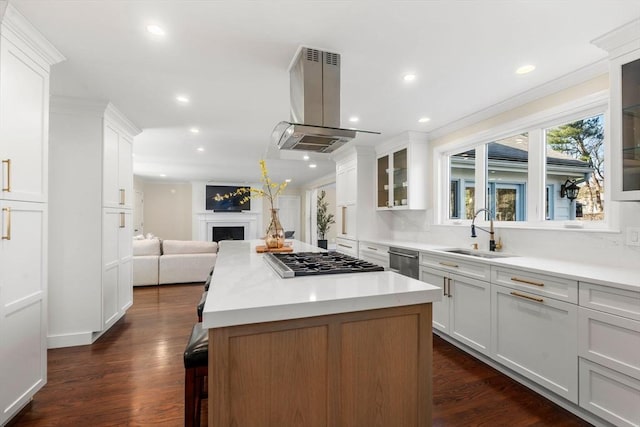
[{"x": 289, "y": 213}]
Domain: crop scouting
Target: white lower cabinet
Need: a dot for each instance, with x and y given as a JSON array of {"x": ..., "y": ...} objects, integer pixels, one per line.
[
  {"x": 609, "y": 350},
  {"x": 347, "y": 246},
  {"x": 374, "y": 253},
  {"x": 23, "y": 298},
  {"x": 464, "y": 312},
  {"x": 536, "y": 337}
]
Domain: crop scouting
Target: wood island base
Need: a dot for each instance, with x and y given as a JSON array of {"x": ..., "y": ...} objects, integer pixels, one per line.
[{"x": 365, "y": 368}]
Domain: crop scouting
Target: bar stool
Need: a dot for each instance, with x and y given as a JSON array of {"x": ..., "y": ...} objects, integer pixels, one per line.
[
  {"x": 207, "y": 283},
  {"x": 200, "y": 308},
  {"x": 196, "y": 358}
]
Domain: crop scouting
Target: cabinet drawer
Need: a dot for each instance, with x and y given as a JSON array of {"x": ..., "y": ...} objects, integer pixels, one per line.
[
  {"x": 375, "y": 253},
  {"x": 535, "y": 283},
  {"x": 611, "y": 300},
  {"x": 609, "y": 394},
  {"x": 454, "y": 264},
  {"x": 609, "y": 340},
  {"x": 347, "y": 246}
]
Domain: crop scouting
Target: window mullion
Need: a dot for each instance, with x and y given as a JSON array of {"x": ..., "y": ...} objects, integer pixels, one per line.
[{"x": 536, "y": 176}]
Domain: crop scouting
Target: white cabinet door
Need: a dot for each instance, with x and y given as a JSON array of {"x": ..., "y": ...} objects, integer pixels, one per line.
[
  {"x": 125, "y": 260},
  {"x": 125, "y": 172},
  {"x": 351, "y": 185},
  {"x": 440, "y": 309},
  {"x": 23, "y": 351},
  {"x": 536, "y": 337},
  {"x": 24, "y": 114},
  {"x": 470, "y": 312},
  {"x": 110, "y": 178},
  {"x": 111, "y": 261}
]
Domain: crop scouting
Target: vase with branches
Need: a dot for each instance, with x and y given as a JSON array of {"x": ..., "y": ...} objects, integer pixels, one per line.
[{"x": 323, "y": 219}]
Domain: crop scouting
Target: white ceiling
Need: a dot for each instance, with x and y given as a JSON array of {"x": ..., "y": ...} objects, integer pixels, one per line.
[{"x": 231, "y": 58}]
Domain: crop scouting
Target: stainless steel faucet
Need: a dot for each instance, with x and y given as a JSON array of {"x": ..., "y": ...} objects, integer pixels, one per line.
[{"x": 492, "y": 240}]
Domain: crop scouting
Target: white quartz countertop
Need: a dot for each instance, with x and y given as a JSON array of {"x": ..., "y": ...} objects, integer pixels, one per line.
[
  {"x": 245, "y": 289},
  {"x": 623, "y": 278}
]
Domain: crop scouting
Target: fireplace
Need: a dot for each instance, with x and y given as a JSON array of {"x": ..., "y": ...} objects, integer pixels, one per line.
[{"x": 227, "y": 233}]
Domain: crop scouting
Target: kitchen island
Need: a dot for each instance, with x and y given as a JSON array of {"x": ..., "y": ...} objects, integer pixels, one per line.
[{"x": 327, "y": 350}]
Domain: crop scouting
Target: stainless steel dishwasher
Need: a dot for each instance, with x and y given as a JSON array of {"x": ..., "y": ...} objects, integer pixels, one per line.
[{"x": 404, "y": 261}]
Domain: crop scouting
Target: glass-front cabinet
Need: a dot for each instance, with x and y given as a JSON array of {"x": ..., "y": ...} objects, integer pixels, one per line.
[
  {"x": 623, "y": 45},
  {"x": 630, "y": 84},
  {"x": 401, "y": 172}
]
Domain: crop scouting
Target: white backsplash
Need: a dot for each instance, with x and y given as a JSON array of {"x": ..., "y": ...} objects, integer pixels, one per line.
[{"x": 604, "y": 248}]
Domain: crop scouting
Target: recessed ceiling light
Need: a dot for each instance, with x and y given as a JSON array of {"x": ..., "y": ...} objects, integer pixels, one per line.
[
  {"x": 162, "y": 175},
  {"x": 353, "y": 119},
  {"x": 287, "y": 180},
  {"x": 182, "y": 99},
  {"x": 200, "y": 149},
  {"x": 312, "y": 165},
  {"x": 194, "y": 130},
  {"x": 409, "y": 77},
  {"x": 305, "y": 157},
  {"x": 424, "y": 119},
  {"x": 525, "y": 69},
  {"x": 156, "y": 30}
]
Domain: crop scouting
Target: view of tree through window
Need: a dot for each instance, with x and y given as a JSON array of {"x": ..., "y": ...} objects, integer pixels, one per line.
[{"x": 575, "y": 154}]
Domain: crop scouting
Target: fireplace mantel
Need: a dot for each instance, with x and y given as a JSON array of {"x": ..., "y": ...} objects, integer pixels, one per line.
[{"x": 205, "y": 221}]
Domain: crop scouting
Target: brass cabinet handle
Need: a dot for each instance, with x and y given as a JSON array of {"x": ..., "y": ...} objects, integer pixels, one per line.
[
  {"x": 528, "y": 282},
  {"x": 516, "y": 294},
  {"x": 122, "y": 196},
  {"x": 373, "y": 249},
  {"x": 8, "y": 235},
  {"x": 449, "y": 293},
  {"x": 448, "y": 264},
  {"x": 8, "y": 187},
  {"x": 344, "y": 226},
  {"x": 444, "y": 286},
  {"x": 122, "y": 223},
  {"x": 345, "y": 246}
]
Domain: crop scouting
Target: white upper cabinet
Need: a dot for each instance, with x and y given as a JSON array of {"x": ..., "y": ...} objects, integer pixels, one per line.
[
  {"x": 117, "y": 161},
  {"x": 24, "y": 114},
  {"x": 623, "y": 45},
  {"x": 401, "y": 172}
]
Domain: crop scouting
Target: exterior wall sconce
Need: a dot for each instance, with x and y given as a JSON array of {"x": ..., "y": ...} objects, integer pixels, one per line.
[{"x": 569, "y": 190}]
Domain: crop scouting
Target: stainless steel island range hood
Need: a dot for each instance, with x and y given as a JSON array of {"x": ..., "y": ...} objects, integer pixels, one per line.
[{"x": 315, "y": 105}]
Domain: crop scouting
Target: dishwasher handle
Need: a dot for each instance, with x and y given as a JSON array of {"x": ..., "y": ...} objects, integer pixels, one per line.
[{"x": 402, "y": 255}]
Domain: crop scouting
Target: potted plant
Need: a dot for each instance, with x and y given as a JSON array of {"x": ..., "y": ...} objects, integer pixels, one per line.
[{"x": 323, "y": 219}]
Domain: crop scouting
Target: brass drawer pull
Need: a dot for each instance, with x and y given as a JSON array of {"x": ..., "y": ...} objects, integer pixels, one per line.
[
  {"x": 345, "y": 246},
  {"x": 122, "y": 196},
  {"x": 444, "y": 286},
  {"x": 8, "y": 235},
  {"x": 373, "y": 249},
  {"x": 516, "y": 294},
  {"x": 344, "y": 226},
  {"x": 449, "y": 291},
  {"x": 448, "y": 264},
  {"x": 528, "y": 282},
  {"x": 8, "y": 187}
]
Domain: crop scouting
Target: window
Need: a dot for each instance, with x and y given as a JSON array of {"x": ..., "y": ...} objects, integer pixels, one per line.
[
  {"x": 575, "y": 154},
  {"x": 462, "y": 184},
  {"x": 525, "y": 174}
]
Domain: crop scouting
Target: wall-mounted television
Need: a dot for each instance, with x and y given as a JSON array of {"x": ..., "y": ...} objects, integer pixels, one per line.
[{"x": 232, "y": 204}]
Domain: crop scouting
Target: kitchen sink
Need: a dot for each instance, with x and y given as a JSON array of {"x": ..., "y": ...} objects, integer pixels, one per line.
[{"x": 477, "y": 254}]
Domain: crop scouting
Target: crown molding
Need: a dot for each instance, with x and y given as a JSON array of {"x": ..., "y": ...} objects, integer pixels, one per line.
[
  {"x": 13, "y": 21},
  {"x": 97, "y": 108},
  {"x": 122, "y": 120},
  {"x": 566, "y": 81},
  {"x": 620, "y": 40}
]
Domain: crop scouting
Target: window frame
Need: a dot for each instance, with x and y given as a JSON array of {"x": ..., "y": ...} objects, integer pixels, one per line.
[{"x": 535, "y": 193}]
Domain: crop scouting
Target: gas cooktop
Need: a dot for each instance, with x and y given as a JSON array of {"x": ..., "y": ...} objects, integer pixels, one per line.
[{"x": 313, "y": 263}]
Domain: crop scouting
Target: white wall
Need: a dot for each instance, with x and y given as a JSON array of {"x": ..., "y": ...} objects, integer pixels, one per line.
[
  {"x": 567, "y": 244},
  {"x": 167, "y": 209}
]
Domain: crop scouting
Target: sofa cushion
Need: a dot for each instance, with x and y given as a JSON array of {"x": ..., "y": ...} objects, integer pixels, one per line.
[
  {"x": 146, "y": 247},
  {"x": 173, "y": 247},
  {"x": 185, "y": 268}
]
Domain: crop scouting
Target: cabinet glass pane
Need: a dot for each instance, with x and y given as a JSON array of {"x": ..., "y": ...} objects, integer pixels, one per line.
[
  {"x": 400, "y": 178},
  {"x": 383, "y": 182},
  {"x": 631, "y": 126}
]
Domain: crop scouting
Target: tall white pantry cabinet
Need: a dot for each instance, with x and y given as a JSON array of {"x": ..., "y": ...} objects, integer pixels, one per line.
[
  {"x": 90, "y": 246},
  {"x": 25, "y": 61}
]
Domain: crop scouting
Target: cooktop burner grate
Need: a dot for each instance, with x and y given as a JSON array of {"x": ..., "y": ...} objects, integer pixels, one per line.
[{"x": 313, "y": 263}]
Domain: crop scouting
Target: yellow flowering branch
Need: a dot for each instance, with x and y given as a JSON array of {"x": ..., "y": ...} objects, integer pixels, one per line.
[{"x": 270, "y": 190}]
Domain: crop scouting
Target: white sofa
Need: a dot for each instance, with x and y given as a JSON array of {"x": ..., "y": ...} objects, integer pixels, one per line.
[{"x": 172, "y": 261}]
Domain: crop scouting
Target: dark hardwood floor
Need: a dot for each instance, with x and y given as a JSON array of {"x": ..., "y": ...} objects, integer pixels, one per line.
[{"x": 134, "y": 376}]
